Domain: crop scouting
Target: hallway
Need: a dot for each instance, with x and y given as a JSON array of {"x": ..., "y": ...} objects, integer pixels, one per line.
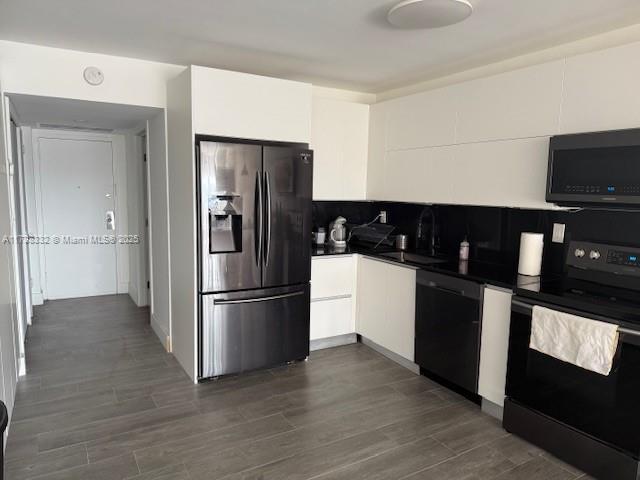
[{"x": 92, "y": 365}]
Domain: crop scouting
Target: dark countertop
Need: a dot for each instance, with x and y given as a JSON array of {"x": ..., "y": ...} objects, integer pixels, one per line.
[{"x": 482, "y": 272}]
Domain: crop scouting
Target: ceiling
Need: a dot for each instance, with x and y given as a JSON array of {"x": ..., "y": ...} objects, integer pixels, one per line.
[
  {"x": 62, "y": 112},
  {"x": 339, "y": 43}
]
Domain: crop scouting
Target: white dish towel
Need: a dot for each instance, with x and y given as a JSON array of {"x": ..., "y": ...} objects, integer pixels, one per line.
[{"x": 587, "y": 343}]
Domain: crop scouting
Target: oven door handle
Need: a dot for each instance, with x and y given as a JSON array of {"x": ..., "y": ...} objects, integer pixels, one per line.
[{"x": 528, "y": 309}]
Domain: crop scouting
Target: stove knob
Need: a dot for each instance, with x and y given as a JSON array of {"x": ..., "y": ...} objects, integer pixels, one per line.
[
  {"x": 594, "y": 255},
  {"x": 579, "y": 252}
]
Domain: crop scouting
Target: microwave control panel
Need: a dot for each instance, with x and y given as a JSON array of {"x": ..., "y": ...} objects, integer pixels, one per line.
[
  {"x": 603, "y": 189},
  {"x": 620, "y": 260}
]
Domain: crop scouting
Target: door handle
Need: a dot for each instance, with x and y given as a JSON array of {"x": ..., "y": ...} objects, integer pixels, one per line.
[
  {"x": 110, "y": 220},
  {"x": 267, "y": 191},
  {"x": 259, "y": 227}
]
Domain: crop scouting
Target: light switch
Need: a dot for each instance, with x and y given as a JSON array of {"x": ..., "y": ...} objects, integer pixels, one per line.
[{"x": 558, "y": 233}]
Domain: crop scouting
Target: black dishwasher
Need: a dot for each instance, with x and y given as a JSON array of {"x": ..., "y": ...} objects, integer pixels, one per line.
[{"x": 448, "y": 324}]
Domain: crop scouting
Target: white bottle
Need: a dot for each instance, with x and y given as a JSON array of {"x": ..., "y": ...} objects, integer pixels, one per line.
[{"x": 464, "y": 249}]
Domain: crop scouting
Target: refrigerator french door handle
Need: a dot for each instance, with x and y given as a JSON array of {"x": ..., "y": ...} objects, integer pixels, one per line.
[
  {"x": 259, "y": 227},
  {"x": 267, "y": 191}
]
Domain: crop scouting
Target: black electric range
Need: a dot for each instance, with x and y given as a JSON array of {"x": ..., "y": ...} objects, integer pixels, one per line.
[{"x": 587, "y": 419}]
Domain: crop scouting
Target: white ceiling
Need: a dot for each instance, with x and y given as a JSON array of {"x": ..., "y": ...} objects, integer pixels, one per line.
[
  {"x": 33, "y": 110},
  {"x": 341, "y": 43}
]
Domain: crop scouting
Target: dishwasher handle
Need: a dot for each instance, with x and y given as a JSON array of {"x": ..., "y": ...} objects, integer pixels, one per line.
[{"x": 450, "y": 284}]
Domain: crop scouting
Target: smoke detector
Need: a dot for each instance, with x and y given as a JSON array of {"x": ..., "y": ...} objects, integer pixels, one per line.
[{"x": 415, "y": 14}]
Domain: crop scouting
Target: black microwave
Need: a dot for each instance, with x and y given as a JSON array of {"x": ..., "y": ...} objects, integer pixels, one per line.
[{"x": 600, "y": 168}]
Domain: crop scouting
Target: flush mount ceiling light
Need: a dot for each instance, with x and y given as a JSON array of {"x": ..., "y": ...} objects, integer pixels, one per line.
[{"x": 429, "y": 13}]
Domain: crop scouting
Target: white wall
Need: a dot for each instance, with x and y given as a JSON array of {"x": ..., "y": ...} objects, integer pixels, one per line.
[
  {"x": 30, "y": 210},
  {"x": 485, "y": 141},
  {"x": 182, "y": 207},
  {"x": 136, "y": 170},
  {"x": 159, "y": 228},
  {"x": 8, "y": 320},
  {"x": 55, "y": 72}
]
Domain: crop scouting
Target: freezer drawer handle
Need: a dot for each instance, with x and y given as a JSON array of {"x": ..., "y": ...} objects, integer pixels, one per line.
[
  {"x": 528, "y": 308},
  {"x": 261, "y": 299}
]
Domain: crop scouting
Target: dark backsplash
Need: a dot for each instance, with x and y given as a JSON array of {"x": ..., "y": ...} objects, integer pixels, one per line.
[{"x": 494, "y": 232}]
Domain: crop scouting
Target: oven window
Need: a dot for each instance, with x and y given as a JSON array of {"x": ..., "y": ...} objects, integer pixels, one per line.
[
  {"x": 606, "y": 407},
  {"x": 604, "y": 171}
]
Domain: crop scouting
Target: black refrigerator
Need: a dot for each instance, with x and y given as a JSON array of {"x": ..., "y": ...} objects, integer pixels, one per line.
[{"x": 254, "y": 255}]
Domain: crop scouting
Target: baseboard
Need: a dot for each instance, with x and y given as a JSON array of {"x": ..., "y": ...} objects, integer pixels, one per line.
[
  {"x": 22, "y": 366},
  {"x": 37, "y": 298},
  {"x": 133, "y": 293},
  {"x": 160, "y": 333},
  {"x": 123, "y": 287},
  {"x": 400, "y": 360},
  {"x": 330, "y": 342},
  {"x": 493, "y": 409}
]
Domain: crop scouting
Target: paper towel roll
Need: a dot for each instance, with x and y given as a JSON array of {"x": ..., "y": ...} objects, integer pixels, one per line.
[{"x": 531, "y": 245}]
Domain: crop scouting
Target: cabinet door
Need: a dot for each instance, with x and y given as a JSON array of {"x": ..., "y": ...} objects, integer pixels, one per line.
[
  {"x": 494, "y": 346},
  {"x": 386, "y": 306},
  {"x": 601, "y": 90},
  {"x": 372, "y": 300},
  {"x": 240, "y": 105},
  {"x": 423, "y": 119},
  {"x": 518, "y": 104},
  {"x": 421, "y": 175},
  {"x": 331, "y": 277},
  {"x": 400, "y": 312},
  {"x": 509, "y": 173},
  {"x": 339, "y": 138},
  {"x": 331, "y": 318}
]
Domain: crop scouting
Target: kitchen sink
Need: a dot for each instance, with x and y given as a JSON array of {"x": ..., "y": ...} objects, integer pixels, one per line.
[{"x": 412, "y": 258}]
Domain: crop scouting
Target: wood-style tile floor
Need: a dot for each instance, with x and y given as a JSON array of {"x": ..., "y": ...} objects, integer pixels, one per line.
[{"x": 102, "y": 400}]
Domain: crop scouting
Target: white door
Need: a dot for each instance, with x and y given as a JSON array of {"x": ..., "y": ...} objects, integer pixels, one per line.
[{"x": 77, "y": 191}]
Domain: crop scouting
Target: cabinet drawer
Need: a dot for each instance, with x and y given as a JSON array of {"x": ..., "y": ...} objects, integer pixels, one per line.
[
  {"x": 330, "y": 318},
  {"x": 332, "y": 277}
]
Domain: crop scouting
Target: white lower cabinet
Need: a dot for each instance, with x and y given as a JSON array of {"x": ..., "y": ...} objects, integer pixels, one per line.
[
  {"x": 331, "y": 317},
  {"x": 496, "y": 318},
  {"x": 386, "y": 305},
  {"x": 333, "y": 281}
]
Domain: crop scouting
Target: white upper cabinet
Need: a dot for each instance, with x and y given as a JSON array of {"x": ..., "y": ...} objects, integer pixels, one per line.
[
  {"x": 503, "y": 173},
  {"x": 422, "y": 120},
  {"x": 482, "y": 142},
  {"x": 518, "y": 104},
  {"x": 377, "y": 151},
  {"x": 421, "y": 175},
  {"x": 240, "y": 105},
  {"x": 601, "y": 90},
  {"x": 339, "y": 138}
]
